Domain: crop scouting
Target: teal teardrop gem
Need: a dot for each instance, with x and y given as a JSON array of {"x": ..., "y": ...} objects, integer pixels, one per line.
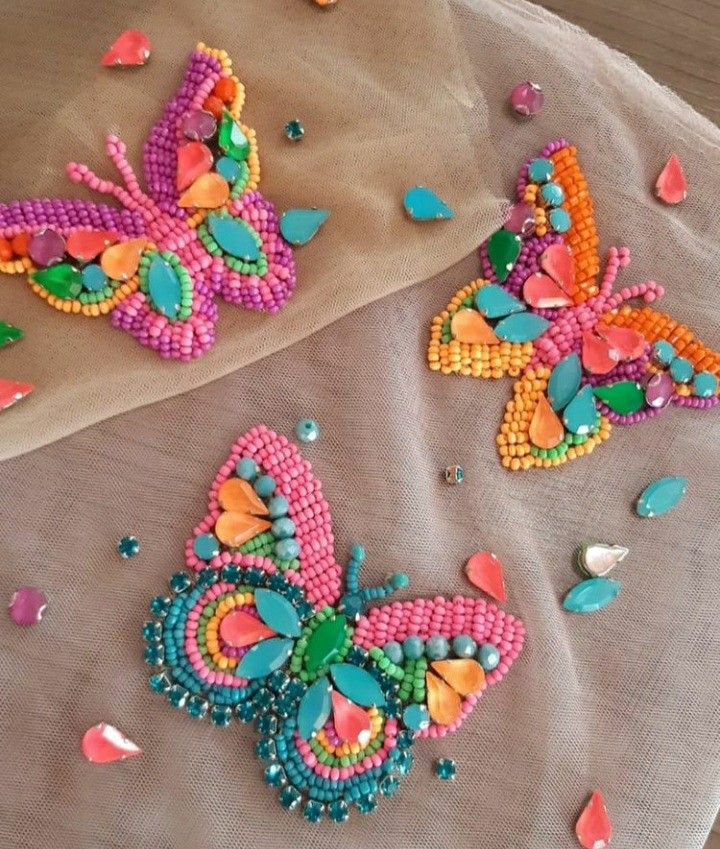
[
  {"x": 564, "y": 382},
  {"x": 164, "y": 287},
  {"x": 298, "y": 226},
  {"x": 521, "y": 327},
  {"x": 422, "y": 204},
  {"x": 624, "y": 398},
  {"x": 591, "y": 595},
  {"x": 503, "y": 249},
  {"x": 494, "y": 302},
  {"x": 228, "y": 169},
  {"x": 234, "y": 236},
  {"x": 232, "y": 139},
  {"x": 581, "y": 414},
  {"x": 94, "y": 278},
  {"x": 357, "y": 685},
  {"x": 61, "y": 280},
  {"x": 314, "y": 708},
  {"x": 265, "y": 657},
  {"x": 277, "y": 613},
  {"x": 661, "y": 496}
]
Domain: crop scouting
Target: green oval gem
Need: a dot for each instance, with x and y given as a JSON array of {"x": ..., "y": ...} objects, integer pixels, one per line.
[
  {"x": 325, "y": 643},
  {"x": 61, "y": 280},
  {"x": 624, "y": 398},
  {"x": 503, "y": 249},
  {"x": 232, "y": 139}
]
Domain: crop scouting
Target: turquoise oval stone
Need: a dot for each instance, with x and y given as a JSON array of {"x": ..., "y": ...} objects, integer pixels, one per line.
[
  {"x": 278, "y": 507},
  {"x": 422, "y": 204},
  {"x": 265, "y": 657},
  {"x": 314, "y": 708},
  {"x": 663, "y": 352},
  {"x": 357, "y": 685},
  {"x": 206, "y": 546},
  {"x": 298, "y": 226},
  {"x": 495, "y": 302},
  {"x": 277, "y": 612},
  {"x": 464, "y": 646},
  {"x": 661, "y": 496},
  {"x": 164, "y": 287},
  {"x": 264, "y": 486},
  {"x": 437, "y": 648},
  {"x": 287, "y": 549},
  {"x": 564, "y": 382},
  {"x": 228, "y": 169},
  {"x": 559, "y": 220},
  {"x": 413, "y": 647},
  {"x": 552, "y": 194},
  {"x": 416, "y": 717},
  {"x": 705, "y": 384},
  {"x": 681, "y": 370},
  {"x": 94, "y": 278},
  {"x": 521, "y": 327},
  {"x": 540, "y": 170},
  {"x": 234, "y": 236},
  {"x": 283, "y": 528},
  {"x": 581, "y": 414},
  {"x": 591, "y": 595},
  {"x": 503, "y": 249}
]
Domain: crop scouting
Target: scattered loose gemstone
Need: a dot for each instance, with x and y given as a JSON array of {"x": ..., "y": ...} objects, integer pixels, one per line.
[
  {"x": 294, "y": 130},
  {"x": 206, "y": 546},
  {"x": 131, "y": 47},
  {"x": 527, "y": 99},
  {"x": 521, "y": 327},
  {"x": 85, "y": 245},
  {"x": 454, "y": 474},
  {"x": 495, "y": 302},
  {"x": 591, "y": 595},
  {"x": 663, "y": 352},
  {"x": 659, "y": 389},
  {"x": 593, "y": 828},
  {"x": 416, "y": 717},
  {"x": 234, "y": 236},
  {"x": 9, "y": 334},
  {"x": 552, "y": 194},
  {"x": 46, "y": 247},
  {"x": 11, "y": 392},
  {"x": 307, "y": 430},
  {"x": 164, "y": 287},
  {"x": 546, "y": 430},
  {"x": 94, "y": 278},
  {"x": 520, "y": 219},
  {"x": 464, "y": 646},
  {"x": 564, "y": 382},
  {"x": 661, "y": 496},
  {"x": 542, "y": 292},
  {"x": 503, "y": 249},
  {"x": 705, "y": 384},
  {"x": 444, "y": 704},
  {"x": 352, "y": 723},
  {"x": 580, "y": 416},
  {"x": 671, "y": 185},
  {"x": 485, "y": 571},
  {"x": 559, "y": 263},
  {"x": 465, "y": 675},
  {"x": 298, "y": 226},
  {"x": 207, "y": 192},
  {"x": 265, "y": 657},
  {"x": 239, "y": 629},
  {"x": 559, "y": 220},
  {"x": 61, "y": 280},
  {"x": 199, "y": 125},
  {"x": 467, "y": 325},
  {"x": 27, "y": 606},
  {"x": 193, "y": 160},
  {"x": 121, "y": 261},
  {"x": 445, "y": 769},
  {"x": 624, "y": 397},
  {"x": 103, "y": 743},
  {"x": 422, "y": 204},
  {"x": 488, "y": 656},
  {"x": 357, "y": 685},
  {"x": 232, "y": 139},
  {"x": 540, "y": 170},
  {"x": 681, "y": 370},
  {"x": 128, "y": 546},
  {"x": 597, "y": 559}
]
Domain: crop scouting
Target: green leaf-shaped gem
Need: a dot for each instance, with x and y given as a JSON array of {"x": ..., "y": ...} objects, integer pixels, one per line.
[
  {"x": 325, "y": 643},
  {"x": 503, "y": 249},
  {"x": 624, "y": 398},
  {"x": 232, "y": 139},
  {"x": 61, "y": 280},
  {"x": 9, "y": 334}
]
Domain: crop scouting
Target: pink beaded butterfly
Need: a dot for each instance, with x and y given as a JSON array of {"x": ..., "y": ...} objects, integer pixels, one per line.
[
  {"x": 584, "y": 359},
  {"x": 202, "y": 230},
  {"x": 260, "y": 629}
]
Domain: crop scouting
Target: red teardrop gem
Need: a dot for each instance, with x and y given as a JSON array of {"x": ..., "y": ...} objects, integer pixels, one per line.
[{"x": 593, "y": 828}]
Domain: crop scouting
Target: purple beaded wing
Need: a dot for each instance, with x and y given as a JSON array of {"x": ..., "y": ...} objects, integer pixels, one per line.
[{"x": 202, "y": 230}]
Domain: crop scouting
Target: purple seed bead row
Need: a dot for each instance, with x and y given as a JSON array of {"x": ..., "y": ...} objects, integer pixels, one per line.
[
  {"x": 547, "y": 151},
  {"x": 696, "y": 403},
  {"x": 632, "y": 418},
  {"x": 529, "y": 261},
  {"x": 66, "y": 215},
  {"x": 634, "y": 370}
]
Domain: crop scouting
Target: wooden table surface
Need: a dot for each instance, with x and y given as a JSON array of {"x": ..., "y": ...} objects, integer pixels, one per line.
[{"x": 678, "y": 43}]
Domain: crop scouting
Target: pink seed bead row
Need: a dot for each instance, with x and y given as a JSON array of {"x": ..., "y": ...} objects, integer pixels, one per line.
[{"x": 335, "y": 773}]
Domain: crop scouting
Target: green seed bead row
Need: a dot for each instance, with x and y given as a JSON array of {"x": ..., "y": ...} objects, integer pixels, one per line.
[
  {"x": 569, "y": 440},
  {"x": 86, "y": 297},
  {"x": 412, "y": 685},
  {"x": 238, "y": 187},
  {"x": 263, "y": 545},
  {"x": 259, "y": 267},
  {"x": 296, "y": 659},
  {"x": 186, "y": 286},
  {"x": 329, "y": 759},
  {"x": 387, "y": 666}
]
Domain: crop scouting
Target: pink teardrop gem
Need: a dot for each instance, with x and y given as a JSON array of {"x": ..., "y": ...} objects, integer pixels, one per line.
[
  {"x": 193, "y": 160},
  {"x": 597, "y": 355},
  {"x": 542, "y": 292},
  {"x": 240, "y": 629},
  {"x": 593, "y": 828},
  {"x": 352, "y": 723},
  {"x": 10, "y": 392},
  {"x": 527, "y": 99},
  {"x": 27, "y": 606},
  {"x": 671, "y": 185},
  {"x": 485, "y": 571},
  {"x": 626, "y": 342},
  {"x": 130, "y": 48},
  {"x": 558, "y": 262},
  {"x": 103, "y": 743},
  {"x": 520, "y": 219},
  {"x": 659, "y": 390}
]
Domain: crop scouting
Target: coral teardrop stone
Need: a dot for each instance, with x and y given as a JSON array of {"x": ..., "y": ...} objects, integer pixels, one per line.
[
  {"x": 238, "y": 495},
  {"x": 235, "y": 529},
  {"x": 131, "y": 47},
  {"x": 542, "y": 292},
  {"x": 485, "y": 571},
  {"x": 239, "y": 629},
  {"x": 546, "y": 429},
  {"x": 121, "y": 261},
  {"x": 193, "y": 160},
  {"x": 593, "y": 828},
  {"x": 671, "y": 185},
  {"x": 558, "y": 262},
  {"x": 11, "y": 392},
  {"x": 626, "y": 342},
  {"x": 207, "y": 192},
  {"x": 103, "y": 743},
  {"x": 444, "y": 704},
  {"x": 85, "y": 245},
  {"x": 464, "y": 675},
  {"x": 469, "y": 326},
  {"x": 352, "y": 723},
  {"x": 597, "y": 355}
]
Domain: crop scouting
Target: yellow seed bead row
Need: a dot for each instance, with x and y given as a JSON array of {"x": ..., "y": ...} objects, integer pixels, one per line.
[
  {"x": 226, "y": 63},
  {"x": 75, "y": 307},
  {"x": 347, "y": 749},
  {"x": 17, "y": 266},
  {"x": 229, "y": 603}
]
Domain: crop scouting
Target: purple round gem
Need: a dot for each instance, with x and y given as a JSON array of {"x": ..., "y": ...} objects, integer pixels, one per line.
[
  {"x": 520, "y": 219},
  {"x": 659, "y": 390},
  {"x": 27, "y": 606},
  {"x": 46, "y": 247},
  {"x": 199, "y": 125},
  {"x": 527, "y": 99}
]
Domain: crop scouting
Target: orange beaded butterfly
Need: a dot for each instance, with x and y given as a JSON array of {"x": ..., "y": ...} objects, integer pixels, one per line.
[{"x": 583, "y": 358}]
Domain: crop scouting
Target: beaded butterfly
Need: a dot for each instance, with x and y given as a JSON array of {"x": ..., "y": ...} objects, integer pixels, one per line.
[
  {"x": 202, "y": 230},
  {"x": 584, "y": 359},
  {"x": 259, "y": 629}
]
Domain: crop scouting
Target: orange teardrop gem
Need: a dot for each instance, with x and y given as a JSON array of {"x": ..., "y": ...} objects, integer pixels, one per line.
[
  {"x": 235, "y": 529},
  {"x": 87, "y": 244},
  {"x": 207, "y": 192},
  {"x": 121, "y": 261},
  {"x": 239, "y": 496},
  {"x": 193, "y": 160},
  {"x": 444, "y": 704},
  {"x": 546, "y": 429},
  {"x": 464, "y": 675},
  {"x": 469, "y": 326}
]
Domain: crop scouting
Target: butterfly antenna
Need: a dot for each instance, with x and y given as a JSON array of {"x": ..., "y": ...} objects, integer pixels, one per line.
[
  {"x": 356, "y": 600},
  {"x": 619, "y": 258},
  {"x": 116, "y": 150}
]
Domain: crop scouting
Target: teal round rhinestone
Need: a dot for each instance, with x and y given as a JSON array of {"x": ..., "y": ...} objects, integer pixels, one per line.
[
  {"x": 128, "y": 547},
  {"x": 464, "y": 646},
  {"x": 264, "y": 486},
  {"x": 152, "y": 631},
  {"x": 294, "y": 130},
  {"x": 488, "y": 656},
  {"x": 540, "y": 170},
  {"x": 404, "y": 740},
  {"x": 394, "y": 651},
  {"x": 413, "y": 647},
  {"x": 267, "y": 724},
  {"x": 313, "y": 811},
  {"x": 705, "y": 384},
  {"x": 559, "y": 220},
  {"x": 265, "y": 749},
  {"x": 246, "y": 469},
  {"x": 416, "y": 717},
  {"x": 197, "y": 707},
  {"x": 389, "y": 785},
  {"x": 206, "y": 546},
  {"x": 663, "y": 352},
  {"x": 552, "y": 194},
  {"x": 290, "y": 798},
  {"x": 454, "y": 474},
  {"x": 338, "y": 811},
  {"x": 159, "y": 683},
  {"x": 154, "y": 654},
  {"x": 221, "y": 715},
  {"x": 246, "y": 712},
  {"x": 231, "y": 573},
  {"x": 307, "y": 430},
  {"x": 275, "y": 776},
  {"x": 367, "y": 804},
  {"x": 404, "y": 762},
  {"x": 177, "y": 696},
  {"x": 160, "y": 605},
  {"x": 437, "y": 648},
  {"x": 445, "y": 769},
  {"x": 681, "y": 370},
  {"x": 206, "y": 577},
  {"x": 180, "y": 582}
]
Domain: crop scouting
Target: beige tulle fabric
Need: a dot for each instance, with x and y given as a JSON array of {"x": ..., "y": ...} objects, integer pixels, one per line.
[{"x": 392, "y": 94}]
